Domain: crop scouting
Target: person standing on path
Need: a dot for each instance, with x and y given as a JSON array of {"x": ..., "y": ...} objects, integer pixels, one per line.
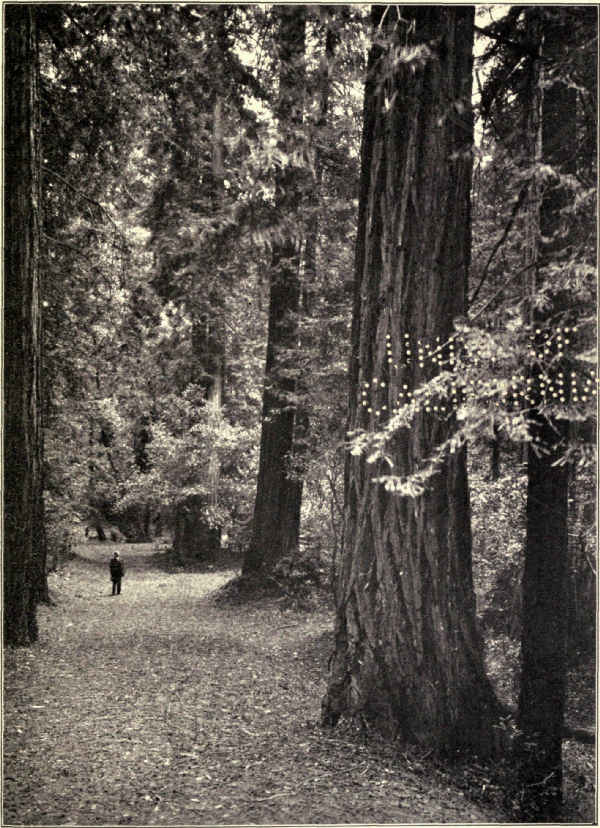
[{"x": 117, "y": 570}]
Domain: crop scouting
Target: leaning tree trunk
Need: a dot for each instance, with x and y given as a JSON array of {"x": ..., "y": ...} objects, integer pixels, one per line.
[
  {"x": 24, "y": 550},
  {"x": 408, "y": 656},
  {"x": 545, "y": 577},
  {"x": 276, "y": 523}
]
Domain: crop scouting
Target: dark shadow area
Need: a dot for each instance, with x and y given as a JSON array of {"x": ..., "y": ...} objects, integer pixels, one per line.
[
  {"x": 246, "y": 589},
  {"x": 166, "y": 561}
]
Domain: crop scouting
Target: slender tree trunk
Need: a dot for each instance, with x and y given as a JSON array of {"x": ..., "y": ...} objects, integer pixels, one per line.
[
  {"x": 313, "y": 198},
  {"x": 545, "y": 577},
  {"x": 408, "y": 656},
  {"x": 495, "y": 455},
  {"x": 196, "y": 536},
  {"x": 310, "y": 275},
  {"x": 276, "y": 524},
  {"x": 24, "y": 549}
]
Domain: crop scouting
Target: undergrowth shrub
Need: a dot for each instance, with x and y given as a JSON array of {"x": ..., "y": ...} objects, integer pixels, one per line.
[{"x": 301, "y": 575}]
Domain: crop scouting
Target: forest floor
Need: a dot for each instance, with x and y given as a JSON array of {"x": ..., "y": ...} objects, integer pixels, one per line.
[{"x": 168, "y": 705}]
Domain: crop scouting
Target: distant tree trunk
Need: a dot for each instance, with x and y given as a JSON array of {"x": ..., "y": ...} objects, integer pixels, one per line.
[
  {"x": 545, "y": 577},
  {"x": 276, "y": 524},
  {"x": 582, "y": 571},
  {"x": 495, "y": 455},
  {"x": 24, "y": 548},
  {"x": 408, "y": 656},
  {"x": 309, "y": 285},
  {"x": 196, "y": 537},
  {"x": 313, "y": 198},
  {"x": 134, "y": 522}
]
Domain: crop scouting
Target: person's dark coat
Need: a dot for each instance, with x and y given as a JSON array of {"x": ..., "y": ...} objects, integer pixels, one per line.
[{"x": 116, "y": 569}]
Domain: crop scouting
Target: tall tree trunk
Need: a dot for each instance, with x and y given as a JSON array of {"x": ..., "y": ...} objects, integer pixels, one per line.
[
  {"x": 408, "y": 655},
  {"x": 196, "y": 536},
  {"x": 313, "y": 200},
  {"x": 24, "y": 549},
  {"x": 276, "y": 524},
  {"x": 545, "y": 577}
]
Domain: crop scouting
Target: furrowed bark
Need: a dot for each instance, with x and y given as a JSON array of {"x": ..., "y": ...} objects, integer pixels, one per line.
[
  {"x": 24, "y": 538},
  {"x": 408, "y": 655}
]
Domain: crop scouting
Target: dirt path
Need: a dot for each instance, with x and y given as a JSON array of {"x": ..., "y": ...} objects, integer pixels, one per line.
[{"x": 162, "y": 706}]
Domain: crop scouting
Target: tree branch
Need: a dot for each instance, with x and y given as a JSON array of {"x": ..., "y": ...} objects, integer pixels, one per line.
[
  {"x": 501, "y": 240},
  {"x": 498, "y": 292},
  {"x": 63, "y": 244}
]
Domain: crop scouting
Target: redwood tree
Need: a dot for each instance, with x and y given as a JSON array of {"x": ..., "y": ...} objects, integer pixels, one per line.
[
  {"x": 553, "y": 141},
  {"x": 24, "y": 540},
  {"x": 408, "y": 656},
  {"x": 276, "y": 523}
]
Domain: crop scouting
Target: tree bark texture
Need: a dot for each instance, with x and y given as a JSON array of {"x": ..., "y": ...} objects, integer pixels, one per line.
[
  {"x": 545, "y": 576},
  {"x": 408, "y": 656},
  {"x": 276, "y": 524},
  {"x": 24, "y": 550}
]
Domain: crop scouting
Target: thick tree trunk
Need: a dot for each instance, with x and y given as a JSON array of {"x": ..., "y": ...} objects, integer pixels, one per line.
[
  {"x": 276, "y": 524},
  {"x": 545, "y": 577},
  {"x": 408, "y": 656},
  {"x": 24, "y": 550}
]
